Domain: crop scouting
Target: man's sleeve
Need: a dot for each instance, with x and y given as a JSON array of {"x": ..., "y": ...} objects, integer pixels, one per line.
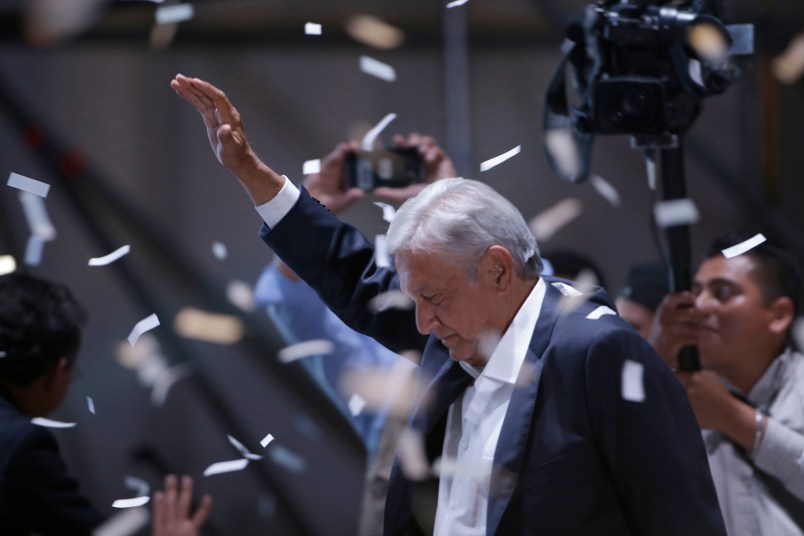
[{"x": 781, "y": 455}]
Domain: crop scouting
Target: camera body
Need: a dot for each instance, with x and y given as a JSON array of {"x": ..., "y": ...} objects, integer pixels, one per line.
[
  {"x": 639, "y": 76},
  {"x": 393, "y": 167}
]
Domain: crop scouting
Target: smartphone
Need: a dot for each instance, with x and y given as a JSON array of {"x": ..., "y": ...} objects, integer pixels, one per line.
[{"x": 394, "y": 167}]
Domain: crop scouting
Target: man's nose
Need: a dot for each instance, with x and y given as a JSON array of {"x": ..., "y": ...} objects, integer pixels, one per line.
[
  {"x": 704, "y": 301},
  {"x": 425, "y": 318}
]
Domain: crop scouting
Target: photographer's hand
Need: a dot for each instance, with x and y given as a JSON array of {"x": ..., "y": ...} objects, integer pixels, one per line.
[
  {"x": 676, "y": 325},
  {"x": 329, "y": 184},
  {"x": 437, "y": 163}
]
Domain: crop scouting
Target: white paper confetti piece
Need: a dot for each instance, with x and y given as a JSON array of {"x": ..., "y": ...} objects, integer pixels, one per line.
[
  {"x": 412, "y": 457},
  {"x": 388, "y": 211},
  {"x": 304, "y": 349},
  {"x": 368, "y": 140},
  {"x": 50, "y": 423},
  {"x": 675, "y": 212},
  {"x": 377, "y": 69},
  {"x": 217, "y": 328},
  {"x": 33, "y": 250},
  {"x": 605, "y": 189},
  {"x": 392, "y": 299},
  {"x": 131, "y": 503},
  {"x": 126, "y": 523},
  {"x": 633, "y": 388},
  {"x": 584, "y": 285},
  {"x": 456, "y": 3},
  {"x": 548, "y": 222},
  {"x": 91, "y": 405},
  {"x": 27, "y": 184},
  {"x": 356, "y": 404},
  {"x": 140, "y": 486},
  {"x": 560, "y": 144},
  {"x": 311, "y": 167},
  {"x": 174, "y": 14},
  {"x": 788, "y": 66},
  {"x": 384, "y": 389},
  {"x": 312, "y": 28},
  {"x": 566, "y": 289},
  {"x": 35, "y": 212},
  {"x": 450, "y": 467},
  {"x": 265, "y": 441},
  {"x": 219, "y": 251},
  {"x": 7, "y": 264},
  {"x": 381, "y": 256},
  {"x": 111, "y": 257},
  {"x": 601, "y": 311},
  {"x": 243, "y": 450},
  {"x": 240, "y": 294},
  {"x": 497, "y": 160},
  {"x": 743, "y": 247},
  {"x": 374, "y": 32},
  {"x": 226, "y": 467},
  {"x": 146, "y": 324}
]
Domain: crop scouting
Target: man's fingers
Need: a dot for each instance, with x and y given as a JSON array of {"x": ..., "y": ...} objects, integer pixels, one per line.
[
  {"x": 185, "y": 495},
  {"x": 159, "y": 514},
  {"x": 170, "y": 497},
  {"x": 202, "y": 512}
]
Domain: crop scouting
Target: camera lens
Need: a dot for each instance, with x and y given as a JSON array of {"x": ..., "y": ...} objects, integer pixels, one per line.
[{"x": 634, "y": 102}]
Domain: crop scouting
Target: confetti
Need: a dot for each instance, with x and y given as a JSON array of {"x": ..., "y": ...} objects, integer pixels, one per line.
[
  {"x": 146, "y": 324},
  {"x": 240, "y": 294},
  {"x": 28, "y": 185},
  {"x": 560, "y": 144},
  {"x": 192, "y": 323},
  {"x": 137, "y": 484},
  {"x": 497, "y": 160},
  {"x": 266, "y": 440},
  {"x": 131, "y": 503},
  {"x": 412, "y": 457},
  {"x": 49, "y": 423},
  {"x": 243, "y": 450},
  {"x": 450, "y": 467},
  {"x": 743, "y": 247},
  {"x": 392, "y": 299},
  {"x": 488, "y": 342},
  {"x": 383, "y": 388},
  {"x": 381, "y": 256},
  {"x": 288, "y": 459},
  {"x": 125, "y": 523},
  {"x": 91, "y": 405},
  {"x": 7, "y": 264},
  {"x": 304, "y": 349},
  {"x": 368, "y": 140},
  {"x": 165, "y": 379},
  {"x": 601, "y": 311},
  {"x": 111, "y": 257},
  {"x": 377, "y": 69},
  {"x": 789, "y": 65},
  {"x": 33, "y": 250},
  {"x": 312, "y": 28},
  {"x": 708, "y": 41},
  {"x": 547, "y": 223},
  {"x": 219, "y": 250},
  {"x": 174, "y": 14},
  {"x": 35, "y": 212},
  {"x": 374, "y": 32},
  {"x": 675, "y": 212},
  {"x": 633, "y": 388},
  {"x": 356, "y": 404},
  {"x": 606, "y": 190},
  {"x": 311, "y": 167},
  {"x": 388, "y": 211},
  {"x": 566, "y": 289},
  {"x": 456, "y": 3},
  {"x": 585, "y": 282},
  {"x": 226, "y": 467}
]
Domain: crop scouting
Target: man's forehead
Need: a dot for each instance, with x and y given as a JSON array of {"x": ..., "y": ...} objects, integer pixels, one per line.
[{"x": 720, "y": 268}]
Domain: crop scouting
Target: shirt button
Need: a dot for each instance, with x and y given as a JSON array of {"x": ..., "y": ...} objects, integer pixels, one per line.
[
  {"x": 464, "y": 444},
  {"x": 453, "y": 504}
]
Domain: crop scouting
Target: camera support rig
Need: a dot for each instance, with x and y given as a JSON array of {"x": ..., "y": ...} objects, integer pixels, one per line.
[{"x": 642, "y": 68}]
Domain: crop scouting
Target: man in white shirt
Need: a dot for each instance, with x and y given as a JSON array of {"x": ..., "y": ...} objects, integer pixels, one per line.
[
  {"x": 548, "y": 413},
  {"x": 749, "y": 399}
]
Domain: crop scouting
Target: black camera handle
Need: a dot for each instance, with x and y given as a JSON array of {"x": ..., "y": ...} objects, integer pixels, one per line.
[{"x": 679, "y": 259}]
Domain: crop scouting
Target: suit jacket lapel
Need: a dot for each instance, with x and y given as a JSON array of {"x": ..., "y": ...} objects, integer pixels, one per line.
[{"x": 519, "y": 418}]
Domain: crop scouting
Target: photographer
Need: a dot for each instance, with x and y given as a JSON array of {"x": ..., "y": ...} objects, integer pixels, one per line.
[{"x": 748, "y": 399}]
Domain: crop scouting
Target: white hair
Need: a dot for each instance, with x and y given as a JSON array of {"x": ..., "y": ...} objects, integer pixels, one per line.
[{"x": 461, "y": 219}]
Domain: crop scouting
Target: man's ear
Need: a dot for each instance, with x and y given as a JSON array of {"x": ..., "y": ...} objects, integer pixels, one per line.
[
  {"x": 58, "y": 373},
  {"x": 497, "y": 266},
  {"x": 782, "y": 315}
]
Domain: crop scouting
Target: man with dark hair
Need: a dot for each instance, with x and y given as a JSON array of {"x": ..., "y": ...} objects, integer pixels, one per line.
[
  {"x": 645, "y": 287},
  {"x": 521, "y": 397},
  {"x": 40, "y": 335},
  {"x": 749, "y": 397}
]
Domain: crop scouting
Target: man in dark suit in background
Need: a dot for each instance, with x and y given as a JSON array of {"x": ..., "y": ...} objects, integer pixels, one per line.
[{"x": 549, "y": 413}]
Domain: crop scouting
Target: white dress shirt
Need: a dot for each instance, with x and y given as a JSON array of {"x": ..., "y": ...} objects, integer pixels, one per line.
[{"x": 474, "y": 422}]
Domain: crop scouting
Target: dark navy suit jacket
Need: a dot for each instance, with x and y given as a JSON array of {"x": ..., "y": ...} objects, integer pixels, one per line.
[
  {"x": 574, "y": 456},
  {"x": 37, "y": 495}
]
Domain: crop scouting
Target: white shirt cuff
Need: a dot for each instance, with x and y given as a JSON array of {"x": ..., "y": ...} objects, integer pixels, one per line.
[{"x": 277, "y": 208}]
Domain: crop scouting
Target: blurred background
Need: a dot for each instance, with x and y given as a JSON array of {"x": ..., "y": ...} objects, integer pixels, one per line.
[{"x": 85, "y": 106}]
